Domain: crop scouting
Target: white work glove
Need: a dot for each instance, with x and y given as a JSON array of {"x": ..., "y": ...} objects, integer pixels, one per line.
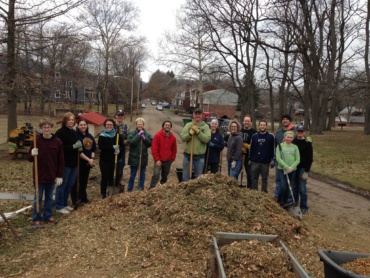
[
  {"x": 304, "y": 176},
  {"x": 233, "y": 164},
  {"x": 80, "y": 149},
  {"x": 77, "y": 145},
  {"x": 116, "y": 149},
  {"x": 288, "y": 170},
  {"x": 35, "y": 151},
  {"x": 58, "y": 181}
]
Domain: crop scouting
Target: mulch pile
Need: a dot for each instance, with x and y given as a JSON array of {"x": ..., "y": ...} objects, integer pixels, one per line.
[{"x": 166, "y": 232}]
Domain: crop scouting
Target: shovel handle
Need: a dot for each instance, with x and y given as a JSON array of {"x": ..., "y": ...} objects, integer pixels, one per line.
[
  {"x": 191, "y": 156},
  {"x": 36, "y": 173}
]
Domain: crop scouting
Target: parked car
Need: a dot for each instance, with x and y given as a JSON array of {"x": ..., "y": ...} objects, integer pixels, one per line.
[
  {"x": 166, "y": 105},
  {"x": 159, "y": 107},
  {"x": 143, "y": 105},
  {"x": 153, "y": 103}
]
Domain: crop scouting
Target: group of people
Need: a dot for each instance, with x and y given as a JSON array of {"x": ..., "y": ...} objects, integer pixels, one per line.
[
  {"x": 290, "y": 150},
  {"x": 64, "y": 160}
]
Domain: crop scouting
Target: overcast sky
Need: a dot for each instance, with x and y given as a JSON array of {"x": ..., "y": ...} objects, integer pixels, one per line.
[{"x": 156, "y": 17}]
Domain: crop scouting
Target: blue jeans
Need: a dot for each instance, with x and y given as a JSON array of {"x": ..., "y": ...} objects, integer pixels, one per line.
[
  {"x": 300, "y": 189},
  {"x": 63, "y": 190},
  {"x": 133, "y": 175},
  {"x": 234, "y": 172},
  {"x": 198, "y": 165},
  {"x": 284, "y": 196},
  {"x": 48, "y": 188}
]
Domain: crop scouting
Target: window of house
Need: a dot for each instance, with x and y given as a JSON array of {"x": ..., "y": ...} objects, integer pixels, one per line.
[
  {"x": 57, "y": 94},
  {"x": 68, "y": 94},
  {"x": 57, "y": 74}
]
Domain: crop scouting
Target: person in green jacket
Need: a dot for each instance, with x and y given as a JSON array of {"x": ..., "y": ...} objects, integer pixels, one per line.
[
  {"x": 140, "y": 140},
  {"x": 196, "y": 134},
  {"x": 288, "y": 158}
]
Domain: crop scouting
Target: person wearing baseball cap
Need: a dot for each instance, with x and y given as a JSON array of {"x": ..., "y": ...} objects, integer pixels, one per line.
[
  {"x": 123, "y": 131},
  {"x": 304, "y": 145},
  {"x": 198, "y": 132},
  {"x": 279, "y": 136}
]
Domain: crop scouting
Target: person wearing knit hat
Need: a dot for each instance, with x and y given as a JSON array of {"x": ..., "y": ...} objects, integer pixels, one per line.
[
  {"x": 286, "y": 116},
  {"x": 285, "y": 126}
]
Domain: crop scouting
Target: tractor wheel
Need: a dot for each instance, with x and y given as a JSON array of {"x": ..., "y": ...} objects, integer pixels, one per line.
[{"x": 19, "y": 155}]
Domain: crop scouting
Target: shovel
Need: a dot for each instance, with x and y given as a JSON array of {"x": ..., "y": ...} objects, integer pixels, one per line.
[
  {"x": 191, "y": 156},
  {"x": 36, "y": 174},
  {"x": 294, "y": 210}
]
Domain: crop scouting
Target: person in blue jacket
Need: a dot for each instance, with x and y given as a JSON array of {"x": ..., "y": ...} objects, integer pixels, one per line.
[
  {"x": 215, "y": 147},
  {"x": 262, "y": 155}
]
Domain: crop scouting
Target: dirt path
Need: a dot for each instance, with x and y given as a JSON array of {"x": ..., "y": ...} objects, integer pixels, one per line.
[{"x": 340, "y": 217}]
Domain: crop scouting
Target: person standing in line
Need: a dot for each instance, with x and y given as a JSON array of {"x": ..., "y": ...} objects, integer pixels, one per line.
[
  {"x": 123, "y": 131},
  {"x": 164, "y": 150},
  {"x": 247, "y": 132},
  {"x": 87, "y": 157},
  {"x": 71, "y": 147},
  {"x": 305, "y": 148},
  {"x": 108, "y": 152},
  {"x": 196, "y": 134},
  {"x": 215, "y": 147},
  {"x": 50, "y": 161},
  {"x": 288, "y": 158},
  {"x": 234, "y": 150},
  {"x": 262, "y": 155},
  {"x": 279, "y": 136},
  {"x": 140, "y": 141}
]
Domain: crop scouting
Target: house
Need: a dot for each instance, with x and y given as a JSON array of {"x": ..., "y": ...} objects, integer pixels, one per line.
[
  {"x": 186, "y": 100},
  {"x": 351, "y": 116},
  {"x": 220, "y": 102},
  {"x": 94, "y": 121}
]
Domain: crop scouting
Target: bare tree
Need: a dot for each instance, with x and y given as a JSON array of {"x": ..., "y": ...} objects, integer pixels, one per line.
[
  {"x": 20, "y": 14},
  {"x": 108, "y": 21},
  {"x": 367, "y": 71}
]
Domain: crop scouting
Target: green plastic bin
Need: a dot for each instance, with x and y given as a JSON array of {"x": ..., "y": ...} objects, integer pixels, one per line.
[{"x": 185, "y": 121}]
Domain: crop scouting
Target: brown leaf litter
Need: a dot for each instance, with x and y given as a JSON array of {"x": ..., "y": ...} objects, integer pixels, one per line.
[{"x": 166, "y": 232}]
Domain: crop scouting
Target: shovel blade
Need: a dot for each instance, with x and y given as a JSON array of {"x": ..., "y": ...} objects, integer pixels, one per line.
[{"x": 296, "y": 212}]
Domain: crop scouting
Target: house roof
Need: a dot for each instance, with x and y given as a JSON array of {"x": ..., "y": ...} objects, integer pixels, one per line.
[
  {"x": 220, "y": 96},
  {"x": 92, "y": 118}
]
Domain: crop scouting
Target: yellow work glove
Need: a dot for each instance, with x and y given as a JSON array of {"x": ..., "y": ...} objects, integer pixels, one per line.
[
  {"x": 195, "y": 129},
  {"x": 191, "y": 132},
  {"x": 245, "y": 147}
]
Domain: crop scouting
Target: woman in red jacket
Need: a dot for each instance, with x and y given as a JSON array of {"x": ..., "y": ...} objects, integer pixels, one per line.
[{"x": 164, "y": 149}]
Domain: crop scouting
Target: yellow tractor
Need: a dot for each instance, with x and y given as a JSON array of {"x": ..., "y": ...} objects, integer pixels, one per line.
[{"x": 20, "y": 140}]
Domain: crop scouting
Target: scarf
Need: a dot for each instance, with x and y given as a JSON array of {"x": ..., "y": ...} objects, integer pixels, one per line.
[{"x": 108, "y": 133}]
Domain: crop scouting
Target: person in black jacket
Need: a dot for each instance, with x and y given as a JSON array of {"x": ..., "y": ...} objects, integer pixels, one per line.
[
  {"x": 87, "y": 157},
  {"x": 304, "y": 145},
  {"x": 247, "y": 132},
  {"x": 110, "y": 150},
  {"x": 215, "y": 147},
  {"x": 71, "y": 147}
]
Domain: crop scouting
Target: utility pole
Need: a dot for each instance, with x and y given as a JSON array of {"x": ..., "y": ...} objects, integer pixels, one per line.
[{"x": 138, "y": 95}]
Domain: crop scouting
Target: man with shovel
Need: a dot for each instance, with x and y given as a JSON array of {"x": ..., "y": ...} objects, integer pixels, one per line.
[
  {"x": 123, "y": 131},
  {"x": 196, "y": 134},
  {"x": 46, "y": 152}
]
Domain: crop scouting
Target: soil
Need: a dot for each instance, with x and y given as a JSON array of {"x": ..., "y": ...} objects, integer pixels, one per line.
[{"x": 339, "y": 216}]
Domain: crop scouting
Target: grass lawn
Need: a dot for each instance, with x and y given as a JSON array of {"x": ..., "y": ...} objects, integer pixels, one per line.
[{"x": 344, "y": 156}]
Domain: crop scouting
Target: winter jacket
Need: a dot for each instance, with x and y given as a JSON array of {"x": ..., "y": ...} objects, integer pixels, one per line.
[
  {"x": 234, "y": 147},
  {"x": 86, "y": 143},
  {"x": 288, "y": 157},
  {"x": 305, "y": 152},
  {"x": 262, "y": 148},
  {"x": 214, "y": 152},
  {"x": 279, "y": 136},
  {"x": 106, "y": 147},
  {"x": 247, "y": 137},
  {"x": 135, "y": 142},
  {"x": 50, "y": 159},
  {"x": 164, "y": 146},
  {"x": 200, "y": 140},
  {"x": 68, "y": 136}
]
